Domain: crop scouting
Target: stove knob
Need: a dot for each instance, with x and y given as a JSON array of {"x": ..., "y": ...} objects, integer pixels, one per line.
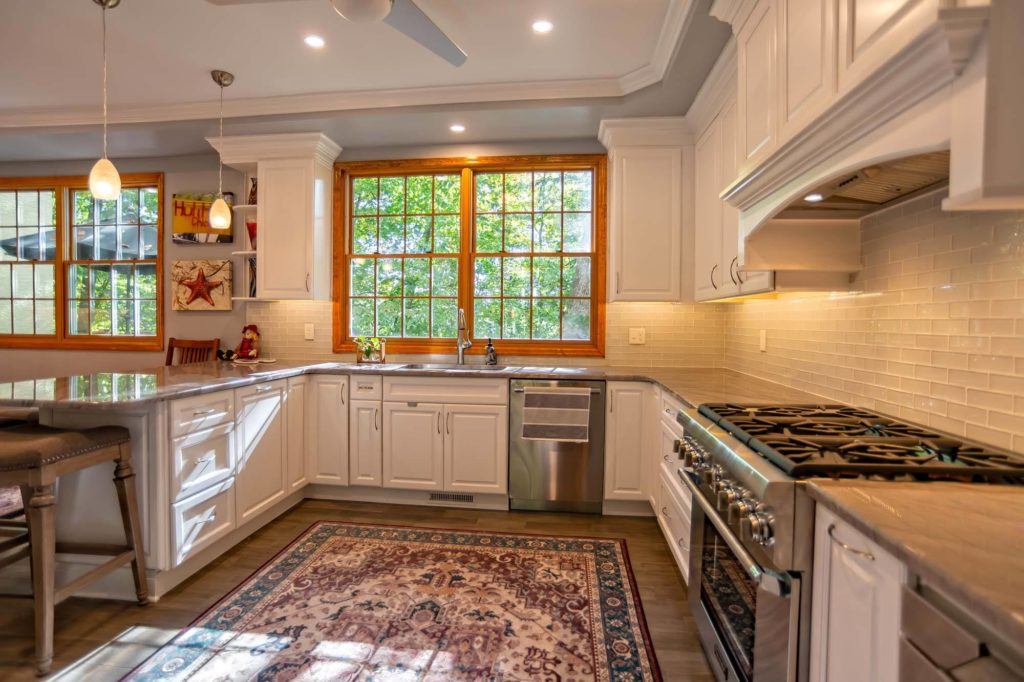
[
  {"x": 726, "y": 494},
  {"x": 761, "y": 530},
  {"x": 740, "y": 508}
]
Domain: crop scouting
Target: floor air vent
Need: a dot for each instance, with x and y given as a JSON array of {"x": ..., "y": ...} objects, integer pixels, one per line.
[{"x": 451, "y": 497}]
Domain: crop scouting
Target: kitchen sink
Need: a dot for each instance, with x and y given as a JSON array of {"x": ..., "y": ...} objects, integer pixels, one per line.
[{"x": 457, "y": 368}]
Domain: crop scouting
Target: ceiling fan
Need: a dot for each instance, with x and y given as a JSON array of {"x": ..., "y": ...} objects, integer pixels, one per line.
[{"x": 402, "y": 15}]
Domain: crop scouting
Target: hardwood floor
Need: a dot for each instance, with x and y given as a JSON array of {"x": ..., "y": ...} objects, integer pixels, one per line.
[{"x": 131, "y": 633}]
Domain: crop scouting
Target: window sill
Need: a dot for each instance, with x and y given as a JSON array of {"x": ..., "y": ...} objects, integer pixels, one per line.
[{"x": 447, "y": 347}]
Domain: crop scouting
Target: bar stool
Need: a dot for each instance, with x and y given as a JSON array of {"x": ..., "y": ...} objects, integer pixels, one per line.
[{"x": 33, "y": 456}]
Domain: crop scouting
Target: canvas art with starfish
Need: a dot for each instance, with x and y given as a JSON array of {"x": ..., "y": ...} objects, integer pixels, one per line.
[{"x": 201, "y": 285}]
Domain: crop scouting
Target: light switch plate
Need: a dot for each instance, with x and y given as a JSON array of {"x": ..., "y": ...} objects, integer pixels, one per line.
[
  {"x": 307, "y": 331},
  {"x": 763, "y": 343},
  {"x": 637, "y": 336}
]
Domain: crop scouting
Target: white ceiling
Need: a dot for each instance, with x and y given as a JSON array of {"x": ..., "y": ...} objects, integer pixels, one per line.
[
  {"x": 163, "y": 101},
  {"x": 161, "y": 52}
]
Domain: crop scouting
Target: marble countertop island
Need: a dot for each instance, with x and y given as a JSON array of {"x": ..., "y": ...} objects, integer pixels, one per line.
[
  {"x": 965, "y": 540},
  {"x": 125, "y": 390}
]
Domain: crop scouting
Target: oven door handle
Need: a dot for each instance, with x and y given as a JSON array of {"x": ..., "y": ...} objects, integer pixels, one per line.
[{"x": 770, "y": 582}]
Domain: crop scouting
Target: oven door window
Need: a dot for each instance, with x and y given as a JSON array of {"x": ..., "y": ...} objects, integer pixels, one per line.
[{"x": 729, "y": 596}]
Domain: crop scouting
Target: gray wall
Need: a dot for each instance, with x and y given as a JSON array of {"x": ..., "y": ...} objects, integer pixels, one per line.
[{"x": 181, "y": 174}]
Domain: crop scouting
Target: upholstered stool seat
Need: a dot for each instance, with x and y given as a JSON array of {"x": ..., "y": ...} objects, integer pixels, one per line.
[{"x": 32, "y": 457}]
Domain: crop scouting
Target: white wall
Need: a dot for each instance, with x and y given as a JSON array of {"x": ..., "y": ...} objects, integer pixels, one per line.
[{"x": 181, "y": 174}]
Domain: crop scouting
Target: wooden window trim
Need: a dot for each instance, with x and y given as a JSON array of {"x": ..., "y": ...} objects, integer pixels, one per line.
[
  {"x": 467, "y": 166},
  {"x": 63, "y": 185}
]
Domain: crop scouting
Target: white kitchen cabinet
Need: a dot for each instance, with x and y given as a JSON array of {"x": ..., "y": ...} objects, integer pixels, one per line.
[
  {"x": 873, "y": 31},
  {"x": 855, "y": 621},
  {"x": 328, "y": 428},
  {"x": 707, "y": 237},
  {"x": 476, "y": 448},
  {"x": 757, "y": 67},
  {"x": 294, "y": 194},
  {"x": 806, "y": 62},
  {"x": 645, "y": 207},
  {"x": 201, "y": 459},
  {"x": 365, "y": 443},
  {"x": 295, "y": 404},
  {"x": 624, "y": 440},
  {"x": 413, "y": 454},
  {"x": 260, "y": 427}
]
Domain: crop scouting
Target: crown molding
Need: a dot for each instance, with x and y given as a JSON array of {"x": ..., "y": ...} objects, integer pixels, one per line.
[
  {"x": 717, "y": 89},
  {"x": 733, "y": 12},
  {"x": 677, "y": 17},
  {"x": 242, "y": 151},
  {"x": 644, "y": 132}
]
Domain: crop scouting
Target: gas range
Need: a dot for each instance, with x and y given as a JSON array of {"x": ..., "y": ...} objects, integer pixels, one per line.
[{"x": 752, "y": 526}]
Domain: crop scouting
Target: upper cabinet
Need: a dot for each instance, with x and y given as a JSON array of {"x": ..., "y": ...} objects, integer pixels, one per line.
[
  {"x": 806, "y": 79},
  {"x": 646, "y": 217},
  {"x": 293, "y": 213},
  {"x": 758, "y": 67}
]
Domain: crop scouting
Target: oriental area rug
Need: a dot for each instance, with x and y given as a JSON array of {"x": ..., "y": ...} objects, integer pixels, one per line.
[{"x": 371, "y": 602}]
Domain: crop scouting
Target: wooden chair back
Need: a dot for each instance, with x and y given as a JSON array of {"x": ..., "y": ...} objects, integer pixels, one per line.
[{"x": 191, "y": 350}]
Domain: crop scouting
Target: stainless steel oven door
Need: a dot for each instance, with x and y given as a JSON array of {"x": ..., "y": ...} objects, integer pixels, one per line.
[{"x": 747, "y": 613}]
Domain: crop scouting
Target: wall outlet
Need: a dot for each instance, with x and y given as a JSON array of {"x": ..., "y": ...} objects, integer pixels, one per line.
[
  {"x": 307, "y": 331},
  {"x": 763, "y": 343},
  {"x": 637, "y": 336}
]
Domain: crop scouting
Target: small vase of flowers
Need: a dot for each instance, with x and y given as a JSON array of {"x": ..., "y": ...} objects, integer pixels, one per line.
[{"x": 370, "y": 349}]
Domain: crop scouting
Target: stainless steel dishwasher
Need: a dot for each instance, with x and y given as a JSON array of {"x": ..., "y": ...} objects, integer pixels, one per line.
[{"x": 556, "y": 475}]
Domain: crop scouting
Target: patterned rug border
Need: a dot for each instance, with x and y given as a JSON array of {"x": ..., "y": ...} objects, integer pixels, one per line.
[{"x": 627, "y": 564}]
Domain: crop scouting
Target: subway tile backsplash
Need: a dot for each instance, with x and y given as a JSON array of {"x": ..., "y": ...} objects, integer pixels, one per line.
[{"x": 934, "y": 332}]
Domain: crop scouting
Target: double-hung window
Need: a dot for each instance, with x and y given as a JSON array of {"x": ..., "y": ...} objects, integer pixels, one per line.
[
  {"x": 517, "y": 243},
  {"x": 77, "y": 272}
]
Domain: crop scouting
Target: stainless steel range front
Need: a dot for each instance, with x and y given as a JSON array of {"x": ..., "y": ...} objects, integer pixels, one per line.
[{"x": 752, "y": 529}]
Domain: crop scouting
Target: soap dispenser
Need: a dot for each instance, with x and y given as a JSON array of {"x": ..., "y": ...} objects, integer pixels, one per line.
[{"x": 492, "y": 355}]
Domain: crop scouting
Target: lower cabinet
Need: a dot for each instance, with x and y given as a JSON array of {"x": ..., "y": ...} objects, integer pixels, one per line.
[
  {"x": 365, "y": 443},
  {"x": 261, "y": 478},
  {"x": 626, "y": 411},
  {"x": 476, "y": 448},
  {"x": 327, "y": 425},
  {"x": 295, "y": 407},
  {"x": 855, "y": 621},
  {"x": 413, "y": 457},
  {"x": 202, "y": 519},
  {"x": 674, "y": 507}
]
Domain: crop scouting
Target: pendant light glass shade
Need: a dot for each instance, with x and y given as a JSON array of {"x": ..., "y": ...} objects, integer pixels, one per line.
[
  {"x": 220, "y": 215},
  {"x": 104, "y": 182}
]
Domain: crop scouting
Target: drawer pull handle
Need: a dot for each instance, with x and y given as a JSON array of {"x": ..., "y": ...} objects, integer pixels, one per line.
[
  {"x": 664, "y": 512},
  {"x": 209, "y": 519},
  {"x": 200, "y": 413},
  {"x": 207, "y": 459},
  {"x": 683, "y": 545},
  {"x": 848, "y": 548},
  {"x": 668, "y": 460},
  {"x": 264, "y": 389}
]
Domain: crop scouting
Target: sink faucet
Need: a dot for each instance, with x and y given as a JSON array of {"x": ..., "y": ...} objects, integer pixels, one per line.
[{"x": 462, "y": 341}]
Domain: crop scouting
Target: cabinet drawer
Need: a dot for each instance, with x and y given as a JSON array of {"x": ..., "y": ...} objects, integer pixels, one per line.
[
  {"x": 201, "y": 459},
  {"x": 201, "y": 412},
  {"x": 445, "y": 390},
  {"x": 675, "y": 524},
  {"x": 365, "y": 388},
  {"x": 202, "y": 519}
]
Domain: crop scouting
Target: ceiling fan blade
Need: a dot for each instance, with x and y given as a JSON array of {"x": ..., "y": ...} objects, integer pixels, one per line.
[{"x": 406, "y": 17}]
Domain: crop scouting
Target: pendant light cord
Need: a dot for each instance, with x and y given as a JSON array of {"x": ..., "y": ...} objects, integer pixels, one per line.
[
  {"x": 104, "y": 81},
  {"x": 220, "y": 157}
]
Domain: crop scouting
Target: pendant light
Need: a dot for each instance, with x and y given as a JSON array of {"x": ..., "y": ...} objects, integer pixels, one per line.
[
  {"x": 104, "y": 182},
  {"x": 220, "y": 212}
]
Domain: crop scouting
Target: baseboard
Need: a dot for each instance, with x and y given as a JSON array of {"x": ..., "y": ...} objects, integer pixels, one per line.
[
  {"x": 627, "y": 508},
  {"x": 320, "y": 491}
]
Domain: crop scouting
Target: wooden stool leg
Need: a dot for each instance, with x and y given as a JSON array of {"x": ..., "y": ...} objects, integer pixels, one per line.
[
  {"x": 40, "y": 513},
  {"x": 124, "y": 481}
]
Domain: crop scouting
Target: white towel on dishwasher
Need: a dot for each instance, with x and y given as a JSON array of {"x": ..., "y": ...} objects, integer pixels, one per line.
[{"x": 556, "y": 414}]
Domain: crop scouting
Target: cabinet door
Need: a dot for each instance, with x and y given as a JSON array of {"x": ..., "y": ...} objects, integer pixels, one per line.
[
  {"x": 707, "y": 244},
  {"x": 873, "y": 31},
  {"x": 261, "y": 479},
  {"x": 328, "y": 428},
  {"x": 476, "y": 448},
  {"x": 295, "y": 410},
  {"x": 856, "y": 605},
  {"x": 413, "y": 446},
  {"x": 364, "y": 444},
  {"x": 729, "y": 255},
  {"x": 646, "y": 225},
  {"x": 285, "y": 211},
  {"x": 756, "y": 80},
  {"x": 624, "y": 441},
  {"x": 806, "y": 62}
]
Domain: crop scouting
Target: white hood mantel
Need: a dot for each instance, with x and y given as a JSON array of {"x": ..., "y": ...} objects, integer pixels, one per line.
[{"x": 955, "y": 85}]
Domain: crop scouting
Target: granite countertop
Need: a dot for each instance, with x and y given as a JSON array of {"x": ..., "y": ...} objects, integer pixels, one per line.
[
  {"x": 965, "y": 540},
  {"x": 137, "y": 389}
]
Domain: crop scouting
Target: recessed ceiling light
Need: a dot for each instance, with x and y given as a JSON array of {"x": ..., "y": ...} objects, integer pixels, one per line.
[
  {"x": 314, "y": 41},
  {"x": 542, "y": 26},
  {"x": 457, "y": 128},
  {"x": 813, "y": 198}
]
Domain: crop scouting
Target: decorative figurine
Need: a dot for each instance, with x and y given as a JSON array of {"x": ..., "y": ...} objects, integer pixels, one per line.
[{"x": 249, "y": 349}]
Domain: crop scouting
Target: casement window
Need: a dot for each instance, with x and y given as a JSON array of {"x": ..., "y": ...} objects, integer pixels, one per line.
[
  {"x": 516, "y": 242},
  {"x": 76, "y": 272}
]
